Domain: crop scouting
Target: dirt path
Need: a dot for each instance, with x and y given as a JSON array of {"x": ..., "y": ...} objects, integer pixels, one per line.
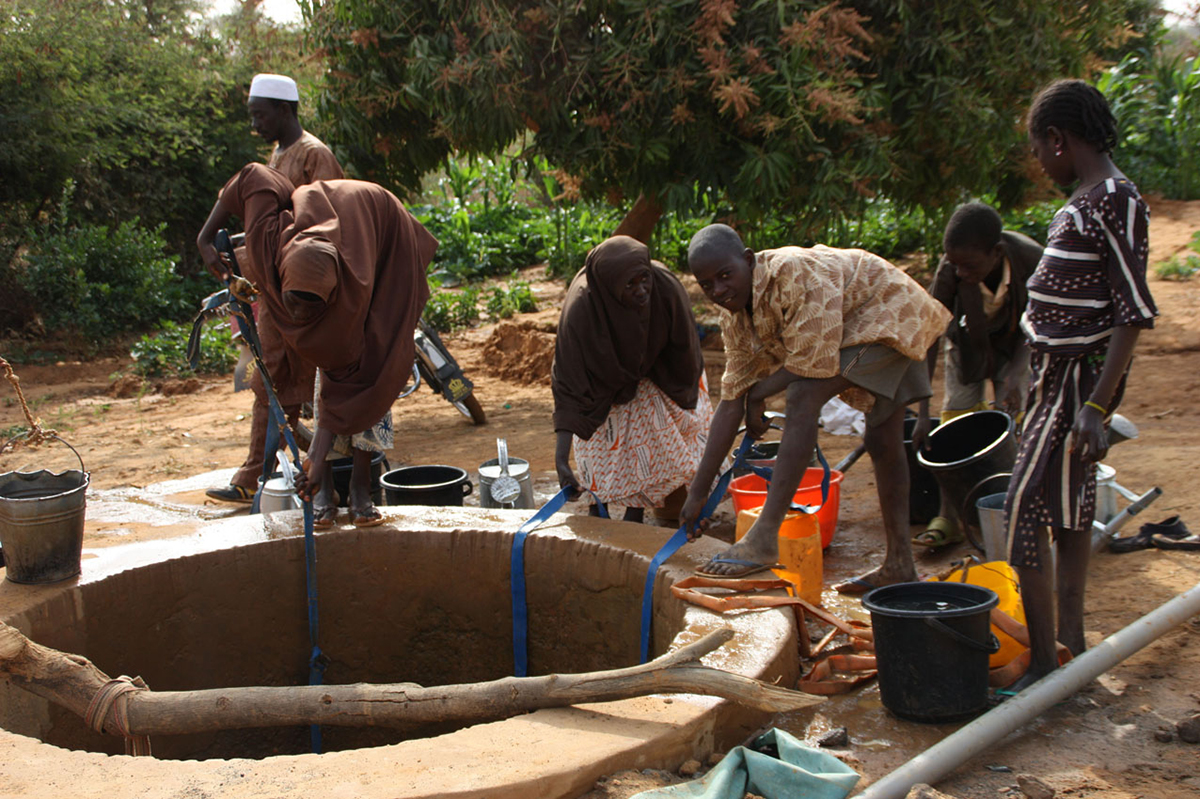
[{"x": 1099, "y": 744}]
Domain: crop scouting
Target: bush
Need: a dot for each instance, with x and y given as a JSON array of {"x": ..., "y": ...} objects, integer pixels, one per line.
[
  {"x": 96, "y": 282},
  {"x": 516, "y": 298},
  {"x": 1181, "y": 268},
  {"x": 164, "y": 353},
  {"x": 1156, "y": 101},
  {"x": 448, "y": 310}
]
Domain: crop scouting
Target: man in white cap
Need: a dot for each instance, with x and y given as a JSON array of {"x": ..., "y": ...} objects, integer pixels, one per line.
[
  {"x": 302, "y": 158},
  {"x": 299, "y": 155}
]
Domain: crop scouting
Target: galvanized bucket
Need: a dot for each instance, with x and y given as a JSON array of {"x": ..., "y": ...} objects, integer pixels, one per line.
[{"x": 41, "y": 523}]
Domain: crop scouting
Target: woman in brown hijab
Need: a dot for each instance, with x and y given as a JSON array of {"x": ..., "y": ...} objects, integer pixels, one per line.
[
  {"x": 340, "y": 265},
  {"x": 628, "y": 381}
]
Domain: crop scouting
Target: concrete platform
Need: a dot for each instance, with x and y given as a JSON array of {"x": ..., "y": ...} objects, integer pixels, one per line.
[{"x": 224, "y": 606}]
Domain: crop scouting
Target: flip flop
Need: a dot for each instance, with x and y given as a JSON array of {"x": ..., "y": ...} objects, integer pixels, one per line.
[
  {"x": 1165, "y": 541},
  {"x": 369, "y": 518},
  {"x": 324, "y": 518},
  {"x": 855, "y": 586},
  {"x": 940, "y": 532},
  {"x": 748, "y": 567}
]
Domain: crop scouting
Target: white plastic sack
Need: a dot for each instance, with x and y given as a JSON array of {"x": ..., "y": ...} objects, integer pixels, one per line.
[{"x": 840, "y": 419}]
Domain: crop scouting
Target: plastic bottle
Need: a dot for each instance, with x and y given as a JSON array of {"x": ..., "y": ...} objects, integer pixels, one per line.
[{"x": 799, "y": 551}]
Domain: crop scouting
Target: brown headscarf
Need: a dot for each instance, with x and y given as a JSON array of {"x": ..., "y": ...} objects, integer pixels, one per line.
[
  {"x": 354, "y": 244},
  {"x": 605, "y": 348}
]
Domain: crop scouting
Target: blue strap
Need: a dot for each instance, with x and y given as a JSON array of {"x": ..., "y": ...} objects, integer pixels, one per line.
[
  {"x": 520, "y": 610},
  {"x": 278, "y": 424},
  {"x": 680, "y": 537}
]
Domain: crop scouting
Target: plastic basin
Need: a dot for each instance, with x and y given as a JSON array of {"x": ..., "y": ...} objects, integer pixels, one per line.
[{"x": 750, "y": 491}]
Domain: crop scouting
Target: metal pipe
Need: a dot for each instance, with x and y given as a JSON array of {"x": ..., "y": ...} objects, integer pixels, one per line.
[
  {"x": 942, "y": 758},
  {"x": 1103, "y": 533}
]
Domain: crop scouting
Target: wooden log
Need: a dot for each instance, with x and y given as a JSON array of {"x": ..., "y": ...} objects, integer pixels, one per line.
[{"x": 72, "y": 681}]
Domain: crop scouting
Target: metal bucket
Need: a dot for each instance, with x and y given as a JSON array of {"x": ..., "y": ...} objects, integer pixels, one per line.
[
  {"x": 518, "y": 469},
  {"x": 41, "y": 523}
]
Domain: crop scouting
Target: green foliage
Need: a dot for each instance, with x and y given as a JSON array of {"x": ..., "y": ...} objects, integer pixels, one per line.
[
  {"x": 450, "y": 310},
  {"x": 515, "y": 298},
  {"x": 141, "y": 105},
  {"x": 1157, "y": 105},
  {"x": 1181, "y": 268},
  {"x": 97, "y": 282},
  {"x": 802, "y": 109},
  {"x": 164, "y": 353}
]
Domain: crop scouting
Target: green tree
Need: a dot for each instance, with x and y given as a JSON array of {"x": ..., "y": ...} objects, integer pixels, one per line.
[
  {"x": 800, "y": 108},
  {"x": 138, "y": 106}
]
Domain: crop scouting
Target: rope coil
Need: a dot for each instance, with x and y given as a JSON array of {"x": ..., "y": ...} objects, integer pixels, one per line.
[
  {"x": 36, "y": 434},
  {"x": 106, "y": 714}
]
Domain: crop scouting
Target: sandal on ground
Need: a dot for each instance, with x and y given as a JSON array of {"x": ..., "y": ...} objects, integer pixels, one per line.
[
  {"x": 367, "y": 517},
  {"x": 1167, "y": 532},
  {"x": 744, "y": 568},
  {"x": 940, "y": 532},
  {"x": 231, "y": 493},
  {"x": 324, "y": 518},
  {"x": 1163, "y": 541}
]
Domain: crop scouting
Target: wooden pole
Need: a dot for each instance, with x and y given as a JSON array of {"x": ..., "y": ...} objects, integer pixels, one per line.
[{"x": 72, "y": 681}]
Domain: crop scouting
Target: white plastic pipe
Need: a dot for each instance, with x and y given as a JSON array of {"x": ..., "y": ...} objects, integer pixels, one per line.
[{"x": 940, "y": 759}]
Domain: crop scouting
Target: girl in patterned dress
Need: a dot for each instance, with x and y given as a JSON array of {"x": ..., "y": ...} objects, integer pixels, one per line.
[
  {"x": 1088, "y": 301},
  {"x": 628, "y": 387}
]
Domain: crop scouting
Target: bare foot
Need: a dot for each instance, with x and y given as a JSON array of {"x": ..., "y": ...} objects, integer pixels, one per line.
[
  {"x": 874, "y": 579},
  {"x": 738, "y": 558}
]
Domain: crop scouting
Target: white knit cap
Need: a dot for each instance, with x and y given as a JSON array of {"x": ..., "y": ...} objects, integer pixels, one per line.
[{"x": 275, "y": 87}]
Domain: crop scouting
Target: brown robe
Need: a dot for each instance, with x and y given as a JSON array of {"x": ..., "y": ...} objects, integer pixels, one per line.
[
  {"x": 306, "y": 160},
  {"x": 363, "y": 341},
  {"x": 604, "y": 349}
]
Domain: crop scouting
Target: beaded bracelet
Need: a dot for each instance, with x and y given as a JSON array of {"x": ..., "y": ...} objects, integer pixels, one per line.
[{"x": 1097, "y": 406}]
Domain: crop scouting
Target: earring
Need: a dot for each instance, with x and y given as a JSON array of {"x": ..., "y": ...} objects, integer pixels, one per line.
[{"x": 1058, "y": 152}]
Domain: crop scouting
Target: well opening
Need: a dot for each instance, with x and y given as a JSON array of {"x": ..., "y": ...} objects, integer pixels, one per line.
[
  {"x": 424, "y": 598},
  {"x": 432, "y": 609}
]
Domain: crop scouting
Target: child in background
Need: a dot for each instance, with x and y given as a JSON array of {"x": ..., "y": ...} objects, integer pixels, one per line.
[
  {"x": 1088, "y": 301},
  {"x": 981, "y": 279}
]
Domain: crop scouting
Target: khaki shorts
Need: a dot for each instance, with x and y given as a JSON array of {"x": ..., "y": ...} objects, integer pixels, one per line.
[{"x": 893, "y": 379}]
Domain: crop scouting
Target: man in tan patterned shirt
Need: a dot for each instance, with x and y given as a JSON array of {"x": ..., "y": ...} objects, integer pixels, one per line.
[{"x": 814, "y": 322}]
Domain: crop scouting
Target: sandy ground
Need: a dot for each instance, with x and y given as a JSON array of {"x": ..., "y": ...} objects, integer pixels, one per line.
[{"x": 1101, "y": 743}]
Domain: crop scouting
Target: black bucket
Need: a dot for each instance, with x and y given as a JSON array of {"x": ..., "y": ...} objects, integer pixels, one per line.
[
  {"x": 341, "y": 469},
  {"x": 932, "y": 643},
  {"x": 924, "y": 499},
  {"x": 967, "y": 449},
  {"x": 426, "y": 485}
]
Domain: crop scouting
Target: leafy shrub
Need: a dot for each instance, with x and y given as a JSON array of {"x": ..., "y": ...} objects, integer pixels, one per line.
[
  {"x": 516, "y": 298},
  {"x": 1181, "y": 268},
  {"x": 164, "y": 353},
  {"x": 1156, "y": 101},
  {"x": 448, "y": 310},
  {"x": 97, "y": 282}
]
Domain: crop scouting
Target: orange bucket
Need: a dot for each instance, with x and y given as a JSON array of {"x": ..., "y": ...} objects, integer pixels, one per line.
[{"x": 750, "y": 491}]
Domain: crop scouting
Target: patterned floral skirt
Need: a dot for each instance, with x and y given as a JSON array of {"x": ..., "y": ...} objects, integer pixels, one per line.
[{"x": 645, "y": 449}]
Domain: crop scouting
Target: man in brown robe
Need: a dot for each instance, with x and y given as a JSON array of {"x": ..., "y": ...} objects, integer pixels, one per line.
[
  {"x": 302, "y": 158},
  {"x": 340, "y": 266}
]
